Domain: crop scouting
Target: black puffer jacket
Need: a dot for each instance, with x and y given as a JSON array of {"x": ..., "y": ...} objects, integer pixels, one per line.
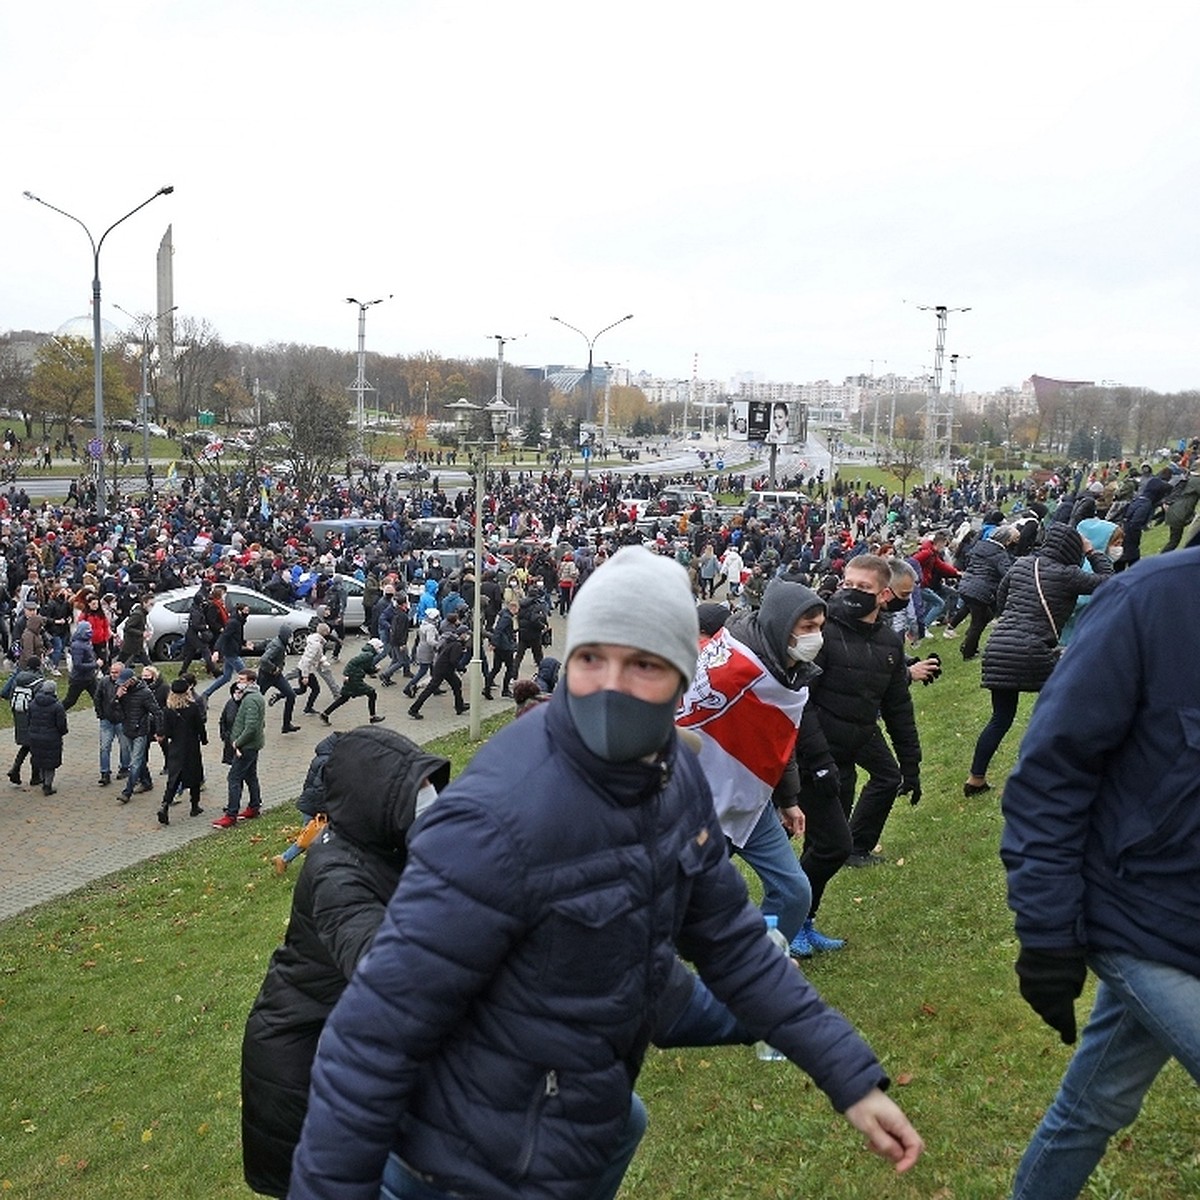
[
  {"x": 1021, "y": 652},
  {"x": 987, "y": 564},
  {"x": 47, "y": 727},
  {"x": 864, "y": 677},
  {"x": 371, "y": 778}
]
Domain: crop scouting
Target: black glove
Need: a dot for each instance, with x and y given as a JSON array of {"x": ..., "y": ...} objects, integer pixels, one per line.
[
  {"x": 827, "y": 783},
  {"x": 1051, "y": 981},
  {"x": 910, "y": 786}
]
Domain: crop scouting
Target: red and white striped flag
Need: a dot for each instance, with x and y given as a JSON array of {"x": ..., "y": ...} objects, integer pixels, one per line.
[{"x": 746, "y": 721}]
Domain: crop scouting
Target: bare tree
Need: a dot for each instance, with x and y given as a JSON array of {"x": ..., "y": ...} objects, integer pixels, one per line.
[{"x": 320, "y": 433}]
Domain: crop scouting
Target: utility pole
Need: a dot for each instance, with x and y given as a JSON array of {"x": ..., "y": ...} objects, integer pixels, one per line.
[{"x": 936, "y": 417}]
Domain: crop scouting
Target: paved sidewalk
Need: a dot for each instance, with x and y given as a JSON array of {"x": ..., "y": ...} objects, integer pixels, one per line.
[{"x": 55, "y": 844}]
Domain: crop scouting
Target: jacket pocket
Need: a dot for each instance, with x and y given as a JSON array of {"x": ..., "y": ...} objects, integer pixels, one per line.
[{"x": 590, "y": 938}]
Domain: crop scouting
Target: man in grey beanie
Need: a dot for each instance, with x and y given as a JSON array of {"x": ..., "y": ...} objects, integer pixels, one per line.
[{"x": 489, "y": 1042}]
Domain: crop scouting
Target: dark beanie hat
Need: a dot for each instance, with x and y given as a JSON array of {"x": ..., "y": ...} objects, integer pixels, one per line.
[
  {"x": 179, "y": 686},
  {"x": 712, "y": 616}
]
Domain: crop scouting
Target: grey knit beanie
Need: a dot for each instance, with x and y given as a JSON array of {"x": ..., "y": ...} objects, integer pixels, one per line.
[{"x": 641, "y": 600}]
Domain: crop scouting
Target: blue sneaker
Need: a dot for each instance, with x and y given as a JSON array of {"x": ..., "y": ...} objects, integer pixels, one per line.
[
  {"x": 818, "y": 941},
  {"x": 801, "y": 947}
]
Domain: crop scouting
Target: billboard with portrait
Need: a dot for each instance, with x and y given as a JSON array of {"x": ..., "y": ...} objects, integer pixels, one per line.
[{"x": 749, "y": 420}]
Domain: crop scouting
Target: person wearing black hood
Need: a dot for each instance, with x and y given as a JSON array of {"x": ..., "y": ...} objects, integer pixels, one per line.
[
  {"x": 376, "y": 782},
  {"x": 1035, "y": 600},
  {"x": 271, "y": 676},
  {"x": 745, "y": 704},
  {"x": 864, "y": 677},
  {"x": 47, "y": 729}
]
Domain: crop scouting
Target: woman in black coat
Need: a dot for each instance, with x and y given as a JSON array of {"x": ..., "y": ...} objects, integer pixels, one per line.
[
  {"x": 375, "y": 781},
  {"x": 1034, "y": 601},
  {"x": 47, "y": 729},
  {"x": 183, "y": 733}
]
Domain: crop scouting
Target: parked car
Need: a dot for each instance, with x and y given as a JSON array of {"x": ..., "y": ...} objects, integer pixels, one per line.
[
  {"x": 411, "y": 472},
  {"x": 169, "y": 615}
]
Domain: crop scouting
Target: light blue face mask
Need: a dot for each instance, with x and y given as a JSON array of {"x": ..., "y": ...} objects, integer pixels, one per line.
[{"x": 620, "y": 728}]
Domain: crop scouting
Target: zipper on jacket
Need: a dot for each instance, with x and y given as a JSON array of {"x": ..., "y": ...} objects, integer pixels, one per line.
[{"x": 548, "y": 1090}]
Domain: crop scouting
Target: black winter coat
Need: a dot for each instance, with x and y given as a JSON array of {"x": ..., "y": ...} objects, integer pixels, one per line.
[
  {"x": 987, "y": 564},
  {"x": 185, "y": 732},
  {"x": 140, "y": 711},
  {"x": 1021, "y": 652},
  {"x": 864, "y": 677},
  {"x": 47, "y": 728},
  {"x": 349, "y": 875}
]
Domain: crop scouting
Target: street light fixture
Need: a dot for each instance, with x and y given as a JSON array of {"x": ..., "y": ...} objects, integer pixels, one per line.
[
  {"x": 360, "y": 383},
  {"x": 145, "y": 323},
  {"x": 498, "y": 414},
  {"x": 97, "y": 447},
  {"x": 591, "y": 345}
]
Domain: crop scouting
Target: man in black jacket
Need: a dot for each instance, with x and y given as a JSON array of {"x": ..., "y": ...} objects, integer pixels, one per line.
[
  {"x": 532, "y": 618},
  {"x": 229, "y": 645},
  {"x": 140, "y": 715},
  {"x": 445, "y": 668},
  {"x": 271, "y": 676},
  {"x": 865, "y": 676}
]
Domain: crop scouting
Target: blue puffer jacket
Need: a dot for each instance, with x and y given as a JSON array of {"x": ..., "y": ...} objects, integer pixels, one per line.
[
  {"x": 493, "y": 1033},
  {"x": 1102, "y": 815}
]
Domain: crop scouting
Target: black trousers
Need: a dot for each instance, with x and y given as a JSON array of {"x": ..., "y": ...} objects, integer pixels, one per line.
[
  {"x": 831, "y": 835},
  {"x": 441, "y": 674}
]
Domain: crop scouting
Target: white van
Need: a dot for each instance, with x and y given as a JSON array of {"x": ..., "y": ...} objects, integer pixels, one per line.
[
  {"x": 781, "y": 501},
  {"x": 677, "y": 499}
]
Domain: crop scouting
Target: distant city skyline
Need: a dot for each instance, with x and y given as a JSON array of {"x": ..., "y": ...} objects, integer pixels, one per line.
[{"x": 780, "y": 189}]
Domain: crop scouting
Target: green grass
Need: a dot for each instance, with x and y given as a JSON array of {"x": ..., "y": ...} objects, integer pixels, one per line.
[{"x": 122, "y": 1008}]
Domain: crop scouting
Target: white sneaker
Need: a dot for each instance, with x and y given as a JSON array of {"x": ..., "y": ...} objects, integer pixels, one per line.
[{"x": 949, "y": 633}]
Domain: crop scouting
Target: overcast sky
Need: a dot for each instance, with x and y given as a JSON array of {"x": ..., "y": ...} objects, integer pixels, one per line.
[{"x": 775, "y": 187}]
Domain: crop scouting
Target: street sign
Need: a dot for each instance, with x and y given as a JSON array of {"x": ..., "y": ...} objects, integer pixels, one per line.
[{"x": 95, "y": 447}]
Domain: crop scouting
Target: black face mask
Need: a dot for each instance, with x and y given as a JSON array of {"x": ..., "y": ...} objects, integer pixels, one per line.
[
  {"x": 621, "y": 728},
  {"x": 896, "y": 603},
  {"x": 854, "y": 602}
]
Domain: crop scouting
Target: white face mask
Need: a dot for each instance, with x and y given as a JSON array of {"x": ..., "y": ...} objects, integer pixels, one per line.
[
  {"x": 804, "y": 647},
  {"x": 1115, "y": 553},
  {"x": 426, "y": 795}
]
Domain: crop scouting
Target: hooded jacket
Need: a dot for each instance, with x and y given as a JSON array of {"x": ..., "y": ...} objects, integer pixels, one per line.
[
  {"x": 1101, "y": 832},
  {"x": 516, "y": 1017},
  {"x": 864, "y": 676},
  {"x": 349, "y": 874},
  {"x": 987, "y": 564},
  {"x": 83, "y": 654},
  {"x": 1021, "y": 652},
  {"x": 47, "y": 727}
]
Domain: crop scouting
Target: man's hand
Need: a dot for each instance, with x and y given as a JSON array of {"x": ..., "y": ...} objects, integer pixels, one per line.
[
  {"x": 792, "y": 820},
  {"x": 925, "y": 670},
  {"x": 1051, "y": 981},
  {"x": 888, "y": 1131},
  {"x": 910, "y": 786}
]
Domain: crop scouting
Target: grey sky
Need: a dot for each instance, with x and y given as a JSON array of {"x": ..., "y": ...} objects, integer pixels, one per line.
[{"x": 765, "y": 185}]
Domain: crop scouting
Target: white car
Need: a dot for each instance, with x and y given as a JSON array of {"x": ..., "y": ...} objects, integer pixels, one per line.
[{"x": 168, "y": 618}]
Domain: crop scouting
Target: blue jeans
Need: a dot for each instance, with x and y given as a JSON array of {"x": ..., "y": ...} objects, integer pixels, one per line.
[
  {"x": 401, "y": 1183},
  {"x": 108, "y": 731},
  {"x": 934, "y": 605},
  {"x": 138, "y": 746},
  {"x": 243, "y": 771},
  {"x": 786, "y": 890},
  {"x": 232, "y": 665},
  {"x": 1145, "y": 1014}
]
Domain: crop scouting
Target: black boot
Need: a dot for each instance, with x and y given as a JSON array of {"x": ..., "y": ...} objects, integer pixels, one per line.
[
  {"x": 104, "y": 780},
  {"x": 164, "y": 815}
]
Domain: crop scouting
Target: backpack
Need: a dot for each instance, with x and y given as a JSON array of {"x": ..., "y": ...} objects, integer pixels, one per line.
[{"x": 22, "y": 697}]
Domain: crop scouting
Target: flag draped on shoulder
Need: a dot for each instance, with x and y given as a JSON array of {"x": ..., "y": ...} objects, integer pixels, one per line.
[{"x": 746, "y": 721}]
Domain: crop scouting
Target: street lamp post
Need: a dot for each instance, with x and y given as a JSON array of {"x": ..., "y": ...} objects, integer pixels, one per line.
[
  {"x": 360, "y": 384},
  {"x": 501, "y": 341},
  {"x": 98, "y": 446},
  {"x": 498, "y": 412},
  {"x": 145, "y": 323},
  {"x": 591, "y": 345}
]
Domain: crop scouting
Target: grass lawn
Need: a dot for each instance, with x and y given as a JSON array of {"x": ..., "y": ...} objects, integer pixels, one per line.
[{"x": 122, "y": 1008}]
